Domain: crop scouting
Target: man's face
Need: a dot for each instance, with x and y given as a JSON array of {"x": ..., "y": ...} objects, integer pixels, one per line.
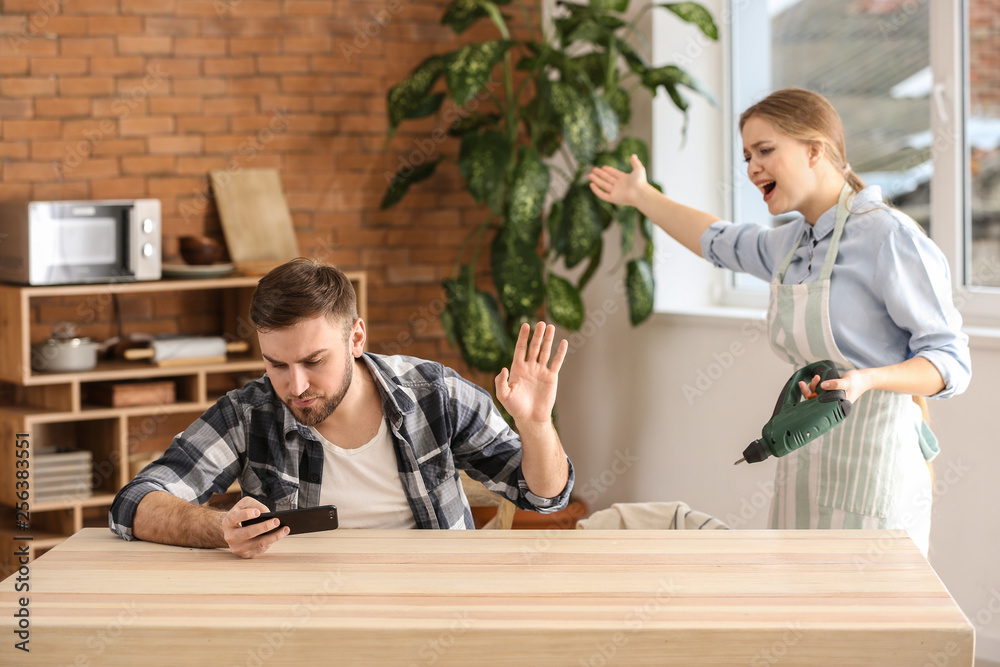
[{"x": 311, "y": 364}]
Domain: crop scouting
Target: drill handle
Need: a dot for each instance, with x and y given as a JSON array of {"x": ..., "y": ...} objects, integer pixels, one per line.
[{"x": 792, "y": 395}]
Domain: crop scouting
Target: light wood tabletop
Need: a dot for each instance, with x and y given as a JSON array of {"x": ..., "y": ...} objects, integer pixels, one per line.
[{"x": 581, "y": 598}]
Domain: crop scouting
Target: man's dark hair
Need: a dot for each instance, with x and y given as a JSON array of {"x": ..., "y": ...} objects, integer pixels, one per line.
[{"x": 302, "y": 289}]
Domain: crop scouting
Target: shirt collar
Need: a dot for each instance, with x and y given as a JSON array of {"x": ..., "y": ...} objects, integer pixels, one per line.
[{"x": 828, "y": 220}]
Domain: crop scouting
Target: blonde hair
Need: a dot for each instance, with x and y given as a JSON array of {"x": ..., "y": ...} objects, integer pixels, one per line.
[{"x": 807, "y": 116}]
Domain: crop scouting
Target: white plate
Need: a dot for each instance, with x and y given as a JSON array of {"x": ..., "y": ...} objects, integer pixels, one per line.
[{"x": 197, "y": 270}]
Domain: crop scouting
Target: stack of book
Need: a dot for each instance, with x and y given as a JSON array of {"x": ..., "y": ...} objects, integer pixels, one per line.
[{"x": 61, "y": 476}]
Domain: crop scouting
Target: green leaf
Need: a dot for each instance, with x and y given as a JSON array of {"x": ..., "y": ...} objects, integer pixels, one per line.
[
  {"x": 593, "y": 65},
  {"x": 404, "y": 178},
  {"x": 409, "y": 96},
  {"x": 480, "y": 332},
  {"x": 427, "y": 107},
  {"x": 472, "y": 122},
  {"x": 595, "y": 262},
  {"x": 582, "y": 224},
  {"x": 621, "y": 102},
  {"x": 565, "y": 303},
  {"x": 554, "y": 224},
  {"x": 606, "y": 117},
  {"x": 609, "y": 5},
  {"x": 635, "y": 60},
  {"x": 526, "y": 200},
  {"x": 629, "y": 146},
  {"x": 578, "y": 120},
  {"x": 627, "y": 218},
  {"x": 483, "y": 160},
  {"x": 518, "y": 273},
  {"x": 448, "y": 324},
  {"x": 639, "y": 287},
  {"x": 692, "y": 12},
  {"x": 612, "y": 159},
  {"x": 468, "y": 69},
  {"x": 462, "y": 14},
  {"x": 671, "y": 76}
]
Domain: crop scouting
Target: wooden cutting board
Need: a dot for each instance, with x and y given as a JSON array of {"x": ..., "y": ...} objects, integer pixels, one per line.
[{"x": 255, "y": 218}]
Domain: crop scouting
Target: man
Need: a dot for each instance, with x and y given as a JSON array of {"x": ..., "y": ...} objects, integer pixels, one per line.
[{"x": 381, "y": 437}]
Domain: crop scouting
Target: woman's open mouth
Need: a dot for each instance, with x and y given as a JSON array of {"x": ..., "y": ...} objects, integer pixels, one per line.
[{"x": 768, "y": 189}]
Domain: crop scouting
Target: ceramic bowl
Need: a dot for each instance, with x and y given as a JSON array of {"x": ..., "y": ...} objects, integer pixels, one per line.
[{"x": 200, "y": 250}]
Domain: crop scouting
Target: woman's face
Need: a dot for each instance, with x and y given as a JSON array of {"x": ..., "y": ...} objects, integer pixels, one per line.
[{"x": 778, "y": 165}]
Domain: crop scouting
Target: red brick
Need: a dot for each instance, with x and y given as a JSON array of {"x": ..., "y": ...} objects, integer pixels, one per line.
[
  {"x": 96, "y": 129},
  {"x": 254, "y": 45},
  {"x": 64, "y": 25},
  {"x": 31, "y": 129},
  {"x": 176, "y": 145},
  {"x": 61, "y": 107},
  {"x": 29, "y": 172},
  {"x": 30, "y": 44},
  {"x": 214, "y": 86},
  {"x": 309, "y": 44},
  {"x": 119, "y": 188},
  {"x": 46, "y": 66},
  {"x": 306, "y": 83},
  {"x": 92, "y": 168},
  {"x": 172, "y": 26},
  {"x": 86, "y": 85},
  {"x": 97, "y": 7},
  {"x": 229, "y": 65},
  {"x": 255, "y": 86},
  {"x": 87, "y": 46},
  {"x": 282, "y": 64},
  {"x": 12, "y": 65},
  {"x": 145, "y": 44},
  {"x": 228, "y": 106},
  {"x": 199, "y": 46},
  {"x": 118, "y": 65},
  {"x": 293, "y": 103},
  {"x": 198, "y": 165},
  {"x": 176, "y": 105},
  {"x": 16, "y": 86},
  {"x": 202, "y": 125},
  {"x": 149, "y": 164},
  {"x": 165, "y": 7},
  {"x": 16, "y": 108},
  {"x": 16, "y": 192},
  {"x": 121, "y": 147},
  {"x": 53, "y": 191},
  {"x": 174, "y": 67},
  {"x": 118, "y": 107},
  {"x": 309, "y": 7},
  {"x": 146, "y": 126},
  {"x": 176, "y": 186},
  {"x": 257, "y": 8},
  {"x": 201, "y": 8}
]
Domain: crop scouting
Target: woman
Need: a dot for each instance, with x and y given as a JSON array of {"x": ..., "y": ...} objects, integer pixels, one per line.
[{"x": 852, "y": 280}]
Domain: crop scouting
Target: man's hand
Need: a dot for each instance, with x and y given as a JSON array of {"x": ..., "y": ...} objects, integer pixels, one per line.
[
  {"x": 250, "y": 541},
  {"x": 528, "y": 392}
]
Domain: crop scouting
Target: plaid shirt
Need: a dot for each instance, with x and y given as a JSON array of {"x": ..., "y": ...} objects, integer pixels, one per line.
[{"x": 439, "y": 422}]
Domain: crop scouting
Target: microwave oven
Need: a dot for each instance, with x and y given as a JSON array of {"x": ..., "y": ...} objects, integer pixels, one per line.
[{"x": 66, "y": 242}]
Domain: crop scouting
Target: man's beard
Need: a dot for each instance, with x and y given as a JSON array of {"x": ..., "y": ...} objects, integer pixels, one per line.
[{"x": 325, "y": 405}]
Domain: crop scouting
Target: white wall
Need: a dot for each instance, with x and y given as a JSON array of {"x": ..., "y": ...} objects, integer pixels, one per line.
[{"x": 636, "y": 435}]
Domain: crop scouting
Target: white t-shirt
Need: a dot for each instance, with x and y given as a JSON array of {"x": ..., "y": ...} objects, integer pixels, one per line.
[{"x": 364, "y": 484}]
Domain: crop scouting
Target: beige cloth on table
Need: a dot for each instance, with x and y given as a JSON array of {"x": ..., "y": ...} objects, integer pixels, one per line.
[{"x": 650, "y": 516}]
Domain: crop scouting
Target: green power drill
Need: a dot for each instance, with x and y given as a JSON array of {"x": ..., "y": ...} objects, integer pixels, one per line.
[{"x": 796, "y": 420}]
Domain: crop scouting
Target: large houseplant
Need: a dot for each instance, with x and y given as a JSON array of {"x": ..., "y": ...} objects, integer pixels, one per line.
[{"x": 561, "y": 105}]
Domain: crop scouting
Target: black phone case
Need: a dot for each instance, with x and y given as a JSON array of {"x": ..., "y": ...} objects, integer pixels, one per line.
[{"x": 307, "y": 520}]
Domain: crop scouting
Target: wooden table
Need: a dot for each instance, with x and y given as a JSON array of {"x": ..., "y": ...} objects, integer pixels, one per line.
[{"x": 521, "y": 598}]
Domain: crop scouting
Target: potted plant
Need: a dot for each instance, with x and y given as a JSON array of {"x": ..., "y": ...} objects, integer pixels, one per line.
[{"x": 563, "y": 107}]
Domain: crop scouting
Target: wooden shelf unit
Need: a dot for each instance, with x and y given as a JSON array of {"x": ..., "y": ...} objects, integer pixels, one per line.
[{"x": 53, "y": 408}]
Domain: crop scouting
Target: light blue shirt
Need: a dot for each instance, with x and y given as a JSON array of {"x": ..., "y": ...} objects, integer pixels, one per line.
[{"x": 890, "y": 291}]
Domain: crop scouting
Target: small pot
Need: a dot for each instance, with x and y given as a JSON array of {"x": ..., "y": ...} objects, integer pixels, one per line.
[{"x": 64, "y": 355}]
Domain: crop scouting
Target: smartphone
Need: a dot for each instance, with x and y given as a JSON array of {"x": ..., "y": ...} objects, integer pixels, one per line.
[{"x": 307, "y": 520}]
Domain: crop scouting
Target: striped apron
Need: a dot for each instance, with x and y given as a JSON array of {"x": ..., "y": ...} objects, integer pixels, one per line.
[{"x": 868, "y": 472}]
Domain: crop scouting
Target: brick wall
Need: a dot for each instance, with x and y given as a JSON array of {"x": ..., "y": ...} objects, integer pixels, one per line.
[
  {"x": 984, "y": 57},
  {"x": 141, "y": 98}
]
